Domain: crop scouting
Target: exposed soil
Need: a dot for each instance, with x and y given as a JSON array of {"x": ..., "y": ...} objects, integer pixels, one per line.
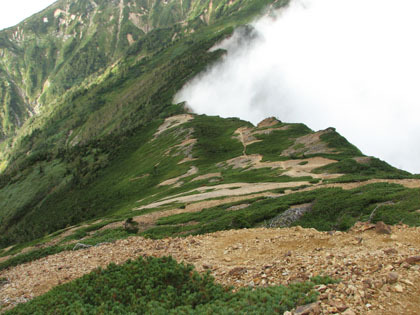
[
  {"x": 173, "y": 122},
  {"x": 192, "y": 171},
  {"x": 225, "y": 190},
  {"x": 375, "y": 277},
  {"x": 309, "y": 144}
]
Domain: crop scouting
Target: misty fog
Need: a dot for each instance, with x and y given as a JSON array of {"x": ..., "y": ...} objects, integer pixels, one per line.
[{"x": 350, "y": 64}]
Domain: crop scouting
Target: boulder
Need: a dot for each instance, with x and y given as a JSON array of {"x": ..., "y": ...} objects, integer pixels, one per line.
[
  {"x": 382, "y": 228},
  {"x": 392, "y": 277},
  {"x": 309, "y": 309},
  {"x": 413, "y": 260}
]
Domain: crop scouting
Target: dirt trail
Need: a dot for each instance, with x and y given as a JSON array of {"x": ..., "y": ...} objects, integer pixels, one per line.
[{"x": 362, "y": 258}]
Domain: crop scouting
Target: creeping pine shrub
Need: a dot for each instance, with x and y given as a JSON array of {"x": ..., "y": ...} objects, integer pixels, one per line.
[
  {"x": 162, "y": 286},
  {"x": 131, "y": 226}
]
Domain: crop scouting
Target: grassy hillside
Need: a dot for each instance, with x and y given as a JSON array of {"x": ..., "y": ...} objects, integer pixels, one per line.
[
  {"x": 73, "y": 42},
  {"x": 110, "y": 104}
]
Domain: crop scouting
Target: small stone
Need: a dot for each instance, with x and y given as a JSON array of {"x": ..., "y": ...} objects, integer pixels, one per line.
[
  {"x": 398, "y": 288},
  {"x": 238, "y": 271},
  {"x": 392, "y": 277},
  {"x": 413, "y": 260},
  {"x": 341, "y": 307},
  {"x": 407, "y": 282},
  {"x": 287, "y": 313},
  {"x": 227, "y": 259},
  {"x": 321, "y": 288},
  {"x": 391, "y": 251},
  {"x": 382, "y": 228},
  {"x": 308, "y": 309},
  {"x": 348, "y": 312}
]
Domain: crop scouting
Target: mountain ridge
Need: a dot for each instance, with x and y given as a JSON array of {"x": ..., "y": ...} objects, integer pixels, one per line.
[{"x": 109, "y": 155}]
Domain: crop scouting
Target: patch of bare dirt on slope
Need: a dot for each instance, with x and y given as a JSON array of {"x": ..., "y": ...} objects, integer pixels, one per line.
[
  {"x": 376, "y": 279},
  {"x": 292, "y": 168},
  {"x": 408, "y": 183},
  {"x": 148, "y": 220},
  {"x": 224, "y": 190},
  {"x": 310, "y": 144},
  {"x": 172, "y": 122},
  {"x": 177, "y": 180}
]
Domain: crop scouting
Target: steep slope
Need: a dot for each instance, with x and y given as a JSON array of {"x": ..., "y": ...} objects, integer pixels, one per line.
[
  {"x": 60, "y": 47},
  {"x": 186, "y": 161},
  {"x": 95, "y": 116}
]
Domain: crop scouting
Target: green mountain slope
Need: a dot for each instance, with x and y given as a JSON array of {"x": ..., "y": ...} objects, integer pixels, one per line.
[
  {"x": 91, "y": 94},
  {"x": 101, "y": 146},
  {"x": 60, "y": 47}
]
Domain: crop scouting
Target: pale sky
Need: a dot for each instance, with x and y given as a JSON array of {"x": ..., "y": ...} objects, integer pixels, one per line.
[{"x": 14, "y": 11}]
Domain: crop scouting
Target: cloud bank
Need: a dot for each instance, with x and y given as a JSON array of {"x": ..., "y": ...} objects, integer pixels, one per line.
[{"x": 350, "y": 64}]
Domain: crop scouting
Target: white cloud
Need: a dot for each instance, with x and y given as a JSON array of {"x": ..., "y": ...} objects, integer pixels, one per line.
[
  {"x": 14, "y": 11},
  {"x": 350, "y": 64}
]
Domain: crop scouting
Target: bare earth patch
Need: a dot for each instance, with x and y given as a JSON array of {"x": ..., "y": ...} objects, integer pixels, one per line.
[
  {"x": 292, "y": 168},
  {"x": 309, "y": 144},
  {"x": 193, "y": 170},
  {"x": 224, "y": 190},
  {"x": 361, "y": 258},
  {"x": 172, "y": 122},
  {"x": 207, "y": 176}
]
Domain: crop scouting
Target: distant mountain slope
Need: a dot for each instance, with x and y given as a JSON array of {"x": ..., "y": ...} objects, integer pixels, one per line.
[{"x": 58, "y": 48}]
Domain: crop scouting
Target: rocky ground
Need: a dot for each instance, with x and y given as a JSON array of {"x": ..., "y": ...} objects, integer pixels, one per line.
[{"x": 379, "y": 272}]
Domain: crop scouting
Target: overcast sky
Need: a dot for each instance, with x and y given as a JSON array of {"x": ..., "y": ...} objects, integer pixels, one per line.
[
  {"x": 14, "y": 11},
  {"x": 349, "y": 64}
]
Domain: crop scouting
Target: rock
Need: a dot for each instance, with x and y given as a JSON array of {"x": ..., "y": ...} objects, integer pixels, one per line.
[
  {"x": 341, "y": 307},
  {"x": 382, "y": 228},
  {"x": 287, "y": 313},
  {"x": 413, "y": 260},
  {"x": 392, "y": 277},
  {"x": 308, "y": 309},
  {"x": 391, "y": 251},
  {"x": 398, "y": 288},
  {"x": 348, "y": 312},
  {"x": 321, "y": 288},
  {"x": 227, "y": 259},
  {"x": 238, "y": 271}
]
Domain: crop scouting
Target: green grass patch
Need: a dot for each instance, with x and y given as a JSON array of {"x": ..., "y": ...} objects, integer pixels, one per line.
[
  {"x": 373, "y": 168},
  {"x": 276, "y": 142}
]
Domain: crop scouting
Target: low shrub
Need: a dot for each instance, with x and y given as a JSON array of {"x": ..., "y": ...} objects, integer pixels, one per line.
[{"x": 162, "y": 286}]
